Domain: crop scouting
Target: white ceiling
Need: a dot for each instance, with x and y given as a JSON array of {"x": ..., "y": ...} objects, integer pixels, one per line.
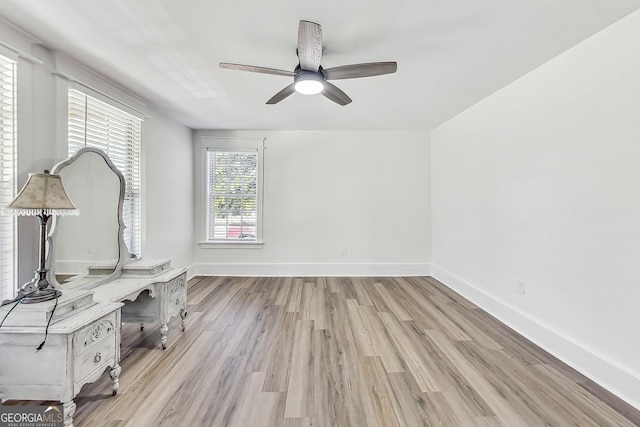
[{"x": 450, "y": 54}]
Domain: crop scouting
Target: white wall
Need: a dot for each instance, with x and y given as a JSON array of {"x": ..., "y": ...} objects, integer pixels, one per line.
[
  {"x": 168, "y": 191},
  {"x": 540, "y": 182},
  {"x": 324, "y": 190}
]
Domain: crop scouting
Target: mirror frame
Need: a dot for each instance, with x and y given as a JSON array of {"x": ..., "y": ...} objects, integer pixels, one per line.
[{"x": 123, "y": 252}]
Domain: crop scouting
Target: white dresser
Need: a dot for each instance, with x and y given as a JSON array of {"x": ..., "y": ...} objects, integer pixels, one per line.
[{"x": 79, "y": 347}]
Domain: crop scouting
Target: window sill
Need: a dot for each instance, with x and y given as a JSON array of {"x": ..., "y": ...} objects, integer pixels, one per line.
[{"x": 231, "y": 245}]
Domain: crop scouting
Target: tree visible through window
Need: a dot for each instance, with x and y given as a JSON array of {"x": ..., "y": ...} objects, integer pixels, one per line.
[{"x": 233, "y": 195}]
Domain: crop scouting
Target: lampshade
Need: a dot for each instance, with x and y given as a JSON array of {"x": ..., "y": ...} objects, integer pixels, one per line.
[
  {"x": 42, "y": 194},
  {"x": 308, "y": 82}
]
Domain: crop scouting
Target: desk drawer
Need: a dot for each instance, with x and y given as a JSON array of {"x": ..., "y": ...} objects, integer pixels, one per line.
[
  {"x": 177, "y": 301},
  {"x": 96, "y": 347},
  {"x": 101, "y": 330},
  {"x": 97, "y": 358},
  {"x": 177, "y": 285}
]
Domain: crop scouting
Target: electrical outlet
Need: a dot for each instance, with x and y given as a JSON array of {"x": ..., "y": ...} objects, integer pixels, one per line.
[
  {"x": 343, "y": 251},
  {"x": 521, "y": 287}
]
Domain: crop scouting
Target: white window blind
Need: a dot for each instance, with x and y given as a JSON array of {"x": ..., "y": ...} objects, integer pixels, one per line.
[
  {"x": 94, "y": 123},
  {"x": 8, "y": 160},
  {"x": 232, "y": 195}
]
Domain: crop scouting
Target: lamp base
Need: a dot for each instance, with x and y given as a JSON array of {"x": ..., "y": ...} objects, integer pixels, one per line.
[
  {"x": 41, "y": 295},
  {"x": 39, "y": 289}
]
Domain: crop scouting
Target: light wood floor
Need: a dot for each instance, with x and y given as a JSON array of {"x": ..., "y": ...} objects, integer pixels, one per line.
[{"x": 293, "y": 352}]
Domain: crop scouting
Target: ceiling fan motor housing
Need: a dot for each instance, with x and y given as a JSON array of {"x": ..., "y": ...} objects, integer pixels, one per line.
[{"x": 308, "y": 82}]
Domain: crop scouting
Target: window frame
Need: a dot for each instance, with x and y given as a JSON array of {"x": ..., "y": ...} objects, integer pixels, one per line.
[
  {"x": 133, "y": 187},
  {"x": 208, "y": 144},
  {"x": 8, "y": 290}
]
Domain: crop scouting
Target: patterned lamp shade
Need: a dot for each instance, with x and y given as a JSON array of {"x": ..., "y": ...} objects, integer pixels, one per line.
[{"x": 42, "y": 194}]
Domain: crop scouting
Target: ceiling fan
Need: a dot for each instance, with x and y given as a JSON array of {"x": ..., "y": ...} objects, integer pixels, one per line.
[{"x": 309, "y": 77}]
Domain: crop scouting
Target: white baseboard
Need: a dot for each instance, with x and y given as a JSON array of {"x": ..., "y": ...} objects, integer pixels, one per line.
[
  {"x": 616, "y": 378},
  {"x": 191, "y": 272},
  {"x": 310, "y": 270}
]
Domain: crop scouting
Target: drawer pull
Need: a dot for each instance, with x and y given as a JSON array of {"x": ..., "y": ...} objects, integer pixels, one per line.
[
  {"x": 97, "y": 358},
  {"x": 178, "y": 302}
]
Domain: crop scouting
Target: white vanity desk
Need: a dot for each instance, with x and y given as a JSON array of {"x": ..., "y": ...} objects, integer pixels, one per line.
[
  {"x": 85, "y": 333},
  {"x": 89, "y": 251},
  {"x": 152, "y": 292},
  {"x": 166, "y": 297},
  {"x": 101, "y": 286}
]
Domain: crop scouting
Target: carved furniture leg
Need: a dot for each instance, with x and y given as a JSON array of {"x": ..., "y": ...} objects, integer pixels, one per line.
[
  {"x": 163, "y": 335},
  {"x": 183, "y": 315},
  {"x": 68, "y": 410},
  {"x": 114, "y": 373}
]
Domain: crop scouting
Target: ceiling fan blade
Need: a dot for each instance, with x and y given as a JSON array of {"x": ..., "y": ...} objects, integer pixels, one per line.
[
  {"x": 360, "y": 70},
  {"x": 335, "y": 94},
  {"x": 282, "y": 94},
  {"x": 309, "y": 45},
  {"x": 256, "y": 69}
]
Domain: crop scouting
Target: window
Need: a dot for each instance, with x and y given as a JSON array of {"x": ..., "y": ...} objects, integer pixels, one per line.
[
  {"x": 97, "y": 124},
  {"x": 232, "y": 193},
  {"x": 233, "y": 197},
  {"x": 8, "y": 160}
]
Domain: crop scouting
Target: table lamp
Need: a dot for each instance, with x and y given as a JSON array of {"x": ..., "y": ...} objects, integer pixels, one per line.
[{"x": 42, "y": 196}]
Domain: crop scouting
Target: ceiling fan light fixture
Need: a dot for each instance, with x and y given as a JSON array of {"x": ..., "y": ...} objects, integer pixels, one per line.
[
  {"x": 308, "y": 82},
  {"x": 309, "y": 77}
]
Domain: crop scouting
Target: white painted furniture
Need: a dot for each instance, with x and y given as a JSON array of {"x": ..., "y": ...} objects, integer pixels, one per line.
[
  {"x": 103, "y": 289},
  {"x": 152, "y": 292},
  {"x": 83, "y": 340},
  {"x": 166, "y": 298},
  {"x": 89, "y": 252}
]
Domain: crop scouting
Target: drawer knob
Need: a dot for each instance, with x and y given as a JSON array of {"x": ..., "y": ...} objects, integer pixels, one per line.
[
  {"x": 178, "y": 302},
  {"x": 97, "y": 358}
]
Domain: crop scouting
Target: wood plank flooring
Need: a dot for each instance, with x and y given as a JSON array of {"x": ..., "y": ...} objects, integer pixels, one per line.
[{"x": 301, "y": 352}]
